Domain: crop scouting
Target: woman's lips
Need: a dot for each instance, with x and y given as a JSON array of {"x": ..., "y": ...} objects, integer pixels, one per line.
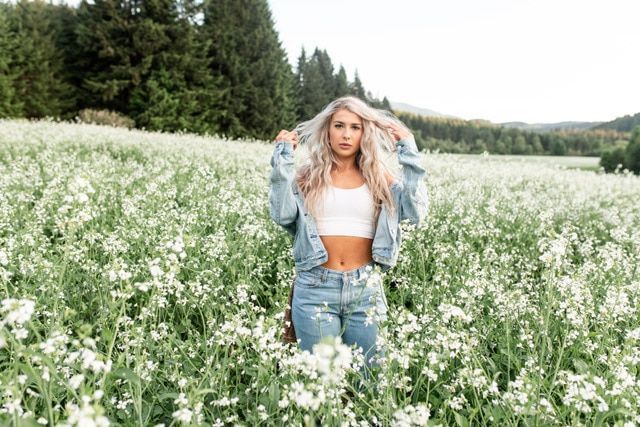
[{"x": 344, "y": 145}]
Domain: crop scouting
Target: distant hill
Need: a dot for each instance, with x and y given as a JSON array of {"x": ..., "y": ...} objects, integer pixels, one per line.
[
  {"x": 549, "y": 127},
  {"x": 400, "y": 106},
  {"x": 622, "y": 124}
]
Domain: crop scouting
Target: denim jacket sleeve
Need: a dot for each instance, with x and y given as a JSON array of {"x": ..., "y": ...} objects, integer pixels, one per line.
[
  {"x": 282, "y": 203},
  {"x": 414, "y": 201}
]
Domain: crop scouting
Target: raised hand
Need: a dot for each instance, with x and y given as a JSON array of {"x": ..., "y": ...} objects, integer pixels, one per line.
[
  {"x": 290, "y": 137},
  {"x": 397, "y": 132}
]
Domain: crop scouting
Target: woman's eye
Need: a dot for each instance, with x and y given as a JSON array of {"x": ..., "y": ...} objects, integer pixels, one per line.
[{"x": 355, "y": 128}]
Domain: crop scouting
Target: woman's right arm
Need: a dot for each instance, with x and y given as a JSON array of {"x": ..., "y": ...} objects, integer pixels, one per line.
[{"x": 282, "y": 204}]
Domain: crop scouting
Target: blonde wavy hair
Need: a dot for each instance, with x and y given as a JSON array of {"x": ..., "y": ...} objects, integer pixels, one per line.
[{"x": 314, "y": 176}]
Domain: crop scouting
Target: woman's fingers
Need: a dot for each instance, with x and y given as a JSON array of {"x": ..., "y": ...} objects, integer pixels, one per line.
[
  {"x": 283, "y": 135},
  {"x": 290, "y": 137},
  {"x": 398, "y": 132}
]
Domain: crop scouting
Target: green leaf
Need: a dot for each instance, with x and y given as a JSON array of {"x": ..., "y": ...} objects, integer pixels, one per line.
[
  {"x": 167, "y": 396},
  {"x": 461, "y": 420},
  {"x": 581, "y": 366},
  {"x": 274, "y": 392},
  {"x": 128, "y": 374}
]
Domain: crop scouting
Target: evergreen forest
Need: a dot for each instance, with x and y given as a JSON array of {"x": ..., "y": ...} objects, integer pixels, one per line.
[{"x": 211, "y": 67}]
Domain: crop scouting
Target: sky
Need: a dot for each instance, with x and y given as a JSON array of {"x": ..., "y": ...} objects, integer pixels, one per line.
[{"x": 536, "y": 61}]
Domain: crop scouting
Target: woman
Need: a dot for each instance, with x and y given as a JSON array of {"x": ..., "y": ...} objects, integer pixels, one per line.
[{"x": 344, "y": 207}]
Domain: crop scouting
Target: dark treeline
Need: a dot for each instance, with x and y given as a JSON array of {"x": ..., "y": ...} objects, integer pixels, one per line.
[
  {"x": 624, "y": 124},
  {"x": 212, "y": 66},
  {"x": 464, "y": 136}
]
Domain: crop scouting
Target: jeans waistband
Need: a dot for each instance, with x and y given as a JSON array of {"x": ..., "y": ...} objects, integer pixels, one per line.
[{"x": 356, "y": 273}]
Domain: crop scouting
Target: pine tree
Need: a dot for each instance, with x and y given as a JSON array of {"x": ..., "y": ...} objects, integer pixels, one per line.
[
  {"x": 357, "y": 89},
  {"x": 179, "y": 91},
  {"x": 246, "y": 53},
  {"x": 147, "y": 60},
  {"x": 326, "y": 71},
  {"x": 318, "y": 85},
  {"x": 10, "y": 105},
  {"x": 342, "y": 84},
  {"x": 110, "y": 66},
  {"x": 298, "y": 85},
  {"x": 387, "y": 105},
  {"x": 313, "y": 95},
  {"x": 64, "y": 21},
  {"x": 38, "y": 83}
]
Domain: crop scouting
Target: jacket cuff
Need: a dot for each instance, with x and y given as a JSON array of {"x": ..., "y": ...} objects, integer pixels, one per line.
[
  {"x": 284, "y": 147},
  {"x": 407, "y": 144}
]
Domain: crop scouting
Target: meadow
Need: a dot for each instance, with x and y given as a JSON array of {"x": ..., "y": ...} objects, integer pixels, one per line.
[
  {"x": 569, "y": 162},
  {"x": 142, "y": 282}
]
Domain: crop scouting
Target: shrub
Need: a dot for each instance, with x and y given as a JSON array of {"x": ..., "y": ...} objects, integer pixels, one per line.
[
  {"x": 105, "y": 117},
  {"x": 612, "y": 158},
  {"x": 632, "y": 153}
]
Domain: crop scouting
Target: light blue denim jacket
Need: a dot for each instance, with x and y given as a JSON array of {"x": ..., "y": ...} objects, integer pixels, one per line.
[{"x": 286, "y": 205}]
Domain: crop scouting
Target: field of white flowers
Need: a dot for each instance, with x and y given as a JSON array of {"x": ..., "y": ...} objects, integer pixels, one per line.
[{"x": 142, "y": 282}]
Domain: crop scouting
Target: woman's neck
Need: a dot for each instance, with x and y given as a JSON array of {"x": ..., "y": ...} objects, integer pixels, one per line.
[{"x": 345, "y": 167}]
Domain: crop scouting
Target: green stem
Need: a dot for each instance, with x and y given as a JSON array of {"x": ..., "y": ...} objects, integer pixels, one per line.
[{"x": 113, "y": 339}]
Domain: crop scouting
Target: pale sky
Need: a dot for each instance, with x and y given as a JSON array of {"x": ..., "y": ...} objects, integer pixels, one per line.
[{"x": 500, "y": 60}]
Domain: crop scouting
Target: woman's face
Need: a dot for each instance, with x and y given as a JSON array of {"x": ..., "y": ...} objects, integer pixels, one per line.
[{"x": 345, "y": 133}]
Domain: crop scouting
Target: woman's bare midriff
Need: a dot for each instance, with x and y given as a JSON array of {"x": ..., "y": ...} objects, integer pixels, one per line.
[{"x": 346, "y": 252}]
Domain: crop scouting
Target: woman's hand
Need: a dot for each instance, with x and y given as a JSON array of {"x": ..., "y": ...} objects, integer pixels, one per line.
[
  {"x": 290, "y": 137},
  {"x": 397, "y": 132}
]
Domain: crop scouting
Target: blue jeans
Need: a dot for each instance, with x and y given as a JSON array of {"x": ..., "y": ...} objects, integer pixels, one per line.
[{"x": 335, "y": 303}]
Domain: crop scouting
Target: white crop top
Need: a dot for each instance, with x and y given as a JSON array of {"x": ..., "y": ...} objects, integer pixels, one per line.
[{"x": 346, "y": 212}]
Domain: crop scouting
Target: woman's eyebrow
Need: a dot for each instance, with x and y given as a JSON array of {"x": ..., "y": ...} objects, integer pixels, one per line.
[{"x": 354, "y": 123}]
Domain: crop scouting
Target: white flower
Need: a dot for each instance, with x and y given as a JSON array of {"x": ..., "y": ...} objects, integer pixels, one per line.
[
  {"x": 75, "y": 381},
  {"x": 85, "y": 416},
  {"x": 155, "y": 270},
  {"x": 20, "y": 333},
  {"x": 181, "y": 400},
  {"x": 142, "y": 286},
  {"x": 410, "y": 415},
  {"x": 330, "y": 359},
  {"x": 183, "y": 415},
  {"x": 17, "y": 312},
  {"x": 453, "y": 312},
  {"x": 4, "y": 259}
]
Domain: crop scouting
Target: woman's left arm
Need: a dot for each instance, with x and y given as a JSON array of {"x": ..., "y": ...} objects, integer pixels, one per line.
[{"x": 414, "y": 200}]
